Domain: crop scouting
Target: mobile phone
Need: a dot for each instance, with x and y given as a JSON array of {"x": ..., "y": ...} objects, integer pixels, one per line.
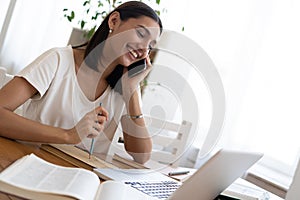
[{"x": 136, "y": 68}]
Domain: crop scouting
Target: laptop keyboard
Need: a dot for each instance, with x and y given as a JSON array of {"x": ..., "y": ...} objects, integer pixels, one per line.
[{"x": 158, "y": 189}]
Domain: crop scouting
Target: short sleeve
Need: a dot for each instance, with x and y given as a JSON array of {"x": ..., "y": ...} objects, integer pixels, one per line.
[{"x": 41, "y": 71}]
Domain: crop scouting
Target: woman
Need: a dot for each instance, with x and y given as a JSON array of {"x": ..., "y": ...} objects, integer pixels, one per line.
[{"x": 64, "y": 87}]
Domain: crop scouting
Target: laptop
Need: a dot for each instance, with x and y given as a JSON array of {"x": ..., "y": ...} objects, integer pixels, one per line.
[
  {"x": 212, "y": 178},
  {"x": 294, "y": 192}
]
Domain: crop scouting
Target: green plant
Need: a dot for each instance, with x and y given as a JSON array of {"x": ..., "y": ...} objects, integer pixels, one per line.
[{"x": 88, "y": 15}]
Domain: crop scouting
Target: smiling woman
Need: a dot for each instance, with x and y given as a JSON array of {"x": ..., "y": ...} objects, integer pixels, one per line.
[{"x": 64, "y": 87}]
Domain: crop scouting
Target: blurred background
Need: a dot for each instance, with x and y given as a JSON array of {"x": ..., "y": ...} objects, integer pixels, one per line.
[{"x": 254, "y": 44}]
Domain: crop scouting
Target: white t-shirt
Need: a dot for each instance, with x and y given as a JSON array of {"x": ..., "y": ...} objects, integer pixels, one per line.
[{"x": 60, "y": 102}]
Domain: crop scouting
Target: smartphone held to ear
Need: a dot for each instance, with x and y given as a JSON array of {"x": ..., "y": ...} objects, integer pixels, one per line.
[{"x": 136, "y": 68}]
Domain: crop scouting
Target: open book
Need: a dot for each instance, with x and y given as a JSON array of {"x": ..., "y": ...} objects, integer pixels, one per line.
[{"x": 34, "y": 178}]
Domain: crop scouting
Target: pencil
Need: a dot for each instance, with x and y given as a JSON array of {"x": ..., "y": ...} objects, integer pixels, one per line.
[
  {"x": 92, "y": 143},
  {"x": 91, "y": 148}
]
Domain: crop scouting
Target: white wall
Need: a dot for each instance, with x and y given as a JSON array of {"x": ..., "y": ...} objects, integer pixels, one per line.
[{"x": 35, "y": 27}]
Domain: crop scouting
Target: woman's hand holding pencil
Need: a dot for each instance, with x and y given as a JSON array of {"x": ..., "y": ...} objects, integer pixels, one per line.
[
  {"x": 90, "y": 125},
  {"x": 100, "y": 114}
]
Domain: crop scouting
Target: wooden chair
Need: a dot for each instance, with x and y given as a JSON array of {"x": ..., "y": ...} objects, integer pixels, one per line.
[{"x": 169, "y": 140}]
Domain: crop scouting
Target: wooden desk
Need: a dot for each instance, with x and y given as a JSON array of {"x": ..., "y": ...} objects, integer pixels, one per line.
[{"x": 10, "y": 151}]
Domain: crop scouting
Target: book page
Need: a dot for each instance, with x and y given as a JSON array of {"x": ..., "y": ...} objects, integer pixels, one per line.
[
  {"x": 156, "y": 166},
  {"x": 132, "y": 174},
  {"x": 113, "y": 190},
  {"x": 34, "y": 173}
]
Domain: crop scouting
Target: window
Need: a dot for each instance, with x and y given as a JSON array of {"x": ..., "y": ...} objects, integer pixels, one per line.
[
  {"x": 35, "y": 24},
  {"x": 255, "y": 46}
]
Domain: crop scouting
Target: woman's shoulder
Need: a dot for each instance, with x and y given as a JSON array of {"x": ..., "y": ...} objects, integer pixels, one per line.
[
  {"x": 54, "y": 54},
  {"x": 50, "y": 60},
  {"x": 59, "y": 50}
]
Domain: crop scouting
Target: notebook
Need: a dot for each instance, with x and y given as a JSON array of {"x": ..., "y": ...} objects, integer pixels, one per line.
[{"x": 213, "y": 177}]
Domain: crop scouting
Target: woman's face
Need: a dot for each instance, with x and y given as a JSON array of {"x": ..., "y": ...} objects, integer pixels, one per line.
[{"x": 131, "y": 40}]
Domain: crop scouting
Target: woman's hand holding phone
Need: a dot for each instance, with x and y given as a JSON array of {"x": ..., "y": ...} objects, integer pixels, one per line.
[
  {"x": 133, "y": 75},
  {"x": 136, "y": 68}
]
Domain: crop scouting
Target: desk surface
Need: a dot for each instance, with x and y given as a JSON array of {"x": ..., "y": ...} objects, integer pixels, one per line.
[{"x": 11, "y": 151}]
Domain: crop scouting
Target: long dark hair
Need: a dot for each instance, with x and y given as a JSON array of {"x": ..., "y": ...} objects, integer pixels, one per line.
[{"x": 131, "y": 9}]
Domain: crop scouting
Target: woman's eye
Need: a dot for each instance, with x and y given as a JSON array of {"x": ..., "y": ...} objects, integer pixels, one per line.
[{"x": 140, "y": 33}]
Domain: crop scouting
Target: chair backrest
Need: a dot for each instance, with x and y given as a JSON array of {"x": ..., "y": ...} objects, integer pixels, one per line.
[
  {"x": 4, "y": 77},
  {"x": 169, "y": 140},
  {"x": 293, "y": 192}
]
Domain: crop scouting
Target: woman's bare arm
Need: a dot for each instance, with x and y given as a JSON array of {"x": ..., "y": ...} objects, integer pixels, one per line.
[
  {"x": 14, "y": 94},
  {"x": 13, "y": 126},
  {"x": 137, "y": 140}
]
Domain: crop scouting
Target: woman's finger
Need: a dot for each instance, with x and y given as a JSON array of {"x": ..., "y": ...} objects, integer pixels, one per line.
[
  {"x": 101, "y": 112},
  {"x": 101, "y": 119}
]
